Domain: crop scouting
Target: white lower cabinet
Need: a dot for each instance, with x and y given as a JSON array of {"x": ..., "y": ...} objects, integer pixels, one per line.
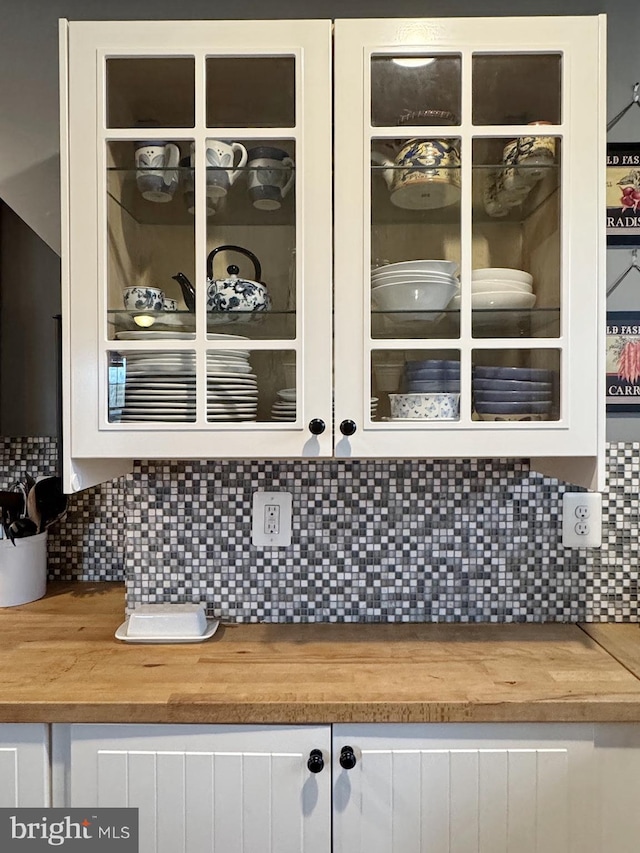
[
  {"x": 233, "y": 789},
  {"x": 24, "y": 765},
  {"x": 464, "y": 788},
  {"x": 384, "y": 788}
]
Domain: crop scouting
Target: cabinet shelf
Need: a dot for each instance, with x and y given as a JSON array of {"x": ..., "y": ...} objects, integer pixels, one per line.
[
  {"x": 486, "y": 323},
  {"x": 383, "y": 212},
  {"x": 264, "y": 325},
  {"x": 233, "y": 209}
]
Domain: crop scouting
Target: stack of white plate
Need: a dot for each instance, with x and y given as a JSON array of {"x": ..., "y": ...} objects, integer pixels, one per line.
[
  {"x": 374, "y": 407},
  {"x": 284, "y": 408},
  {"x": 232, "y": 387},
  {"x": 159, "y": 386},
  {"x": 423, "y": 287},
  {"x": 153, "y": 335}
]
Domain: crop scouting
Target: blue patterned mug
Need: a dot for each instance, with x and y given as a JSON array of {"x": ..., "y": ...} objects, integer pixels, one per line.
[
  {"x": 222, "y": 171},
  {"x": 270, "y": 176},
  {"x": 157, "y": 169}
]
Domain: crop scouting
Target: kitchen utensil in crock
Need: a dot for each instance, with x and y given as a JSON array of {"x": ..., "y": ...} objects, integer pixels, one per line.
[{"x": 46, "y": 503}]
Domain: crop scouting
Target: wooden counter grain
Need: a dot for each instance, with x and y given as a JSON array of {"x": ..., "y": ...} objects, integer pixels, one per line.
[
  {"x": 59, "y": 662},
  {"x": 621, "y": 641}
]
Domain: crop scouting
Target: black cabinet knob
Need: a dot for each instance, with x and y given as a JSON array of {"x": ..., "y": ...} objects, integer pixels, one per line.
[
  {"x": 316, "y": 761},
  {"x": 347, "y": 758},
  {"x": 317, "y": 426},
  {"x": 348, "y": 427}
]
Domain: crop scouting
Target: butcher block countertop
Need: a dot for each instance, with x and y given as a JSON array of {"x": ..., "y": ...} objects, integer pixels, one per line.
[{"x": 60, "y": 662}]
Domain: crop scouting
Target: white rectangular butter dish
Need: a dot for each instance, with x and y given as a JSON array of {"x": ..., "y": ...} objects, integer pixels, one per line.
[{"x": 167, "y": 620}]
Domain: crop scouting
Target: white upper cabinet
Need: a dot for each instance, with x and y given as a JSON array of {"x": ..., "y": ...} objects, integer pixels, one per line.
[
  {"x": 197, "y": 271},
  {"x": 467, "y": 160}
]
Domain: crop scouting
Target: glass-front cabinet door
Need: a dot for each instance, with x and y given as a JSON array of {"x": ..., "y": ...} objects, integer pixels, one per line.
[
  {"x": 469, "y": 241},
  {"x": 198, "y": 299}
]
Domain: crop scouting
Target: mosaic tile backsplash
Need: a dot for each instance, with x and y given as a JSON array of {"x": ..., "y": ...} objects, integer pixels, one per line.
[{"x": 428, "y": 540}]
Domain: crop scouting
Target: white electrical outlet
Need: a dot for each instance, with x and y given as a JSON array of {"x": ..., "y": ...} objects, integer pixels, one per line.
[
  {"x": 582, "y": 519},
  {"x": 271, "y": 518}
]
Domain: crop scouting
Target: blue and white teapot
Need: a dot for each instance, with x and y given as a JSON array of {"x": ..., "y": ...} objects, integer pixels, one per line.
[{"x": 234, "y": 293}]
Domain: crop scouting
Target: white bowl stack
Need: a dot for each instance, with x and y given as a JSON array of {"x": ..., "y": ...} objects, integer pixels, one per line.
[
  {"x": 414, "y": 290},
  {"x": 502, "y": 287}
]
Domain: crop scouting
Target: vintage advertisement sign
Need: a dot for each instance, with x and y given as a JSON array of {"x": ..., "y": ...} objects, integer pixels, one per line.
[
  {"x": 623, "y": 194},
  {"x": 623, "y": 361},
  {"x": 28, "y": 830}
]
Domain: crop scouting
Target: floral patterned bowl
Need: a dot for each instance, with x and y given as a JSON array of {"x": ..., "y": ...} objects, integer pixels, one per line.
[
  {"x": 143, "y": 298},
  {"x": 429, "y": 407}
]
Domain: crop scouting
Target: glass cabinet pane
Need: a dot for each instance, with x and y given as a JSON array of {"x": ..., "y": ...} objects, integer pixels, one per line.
[
  {"x": 150, "y": 240},
  {"x": 151, "y": 386},
  {"x": 150, "y": 92},
  {"x": 415, "y": 385},
  {"x": 251, "y": 385},
  {"x": 251, "y": 239},
  {"x": 516, "y": 385},
  {"x": 247, "y": 91},
  {"x": 517, "y": 88},
  {"x": 415, "y": 237},
  {"x": 415, "y": 90},
  {"x": 506, "y": 385},
  {"x": 516, "y": 286},
  {"x": 242, "y": 385}
]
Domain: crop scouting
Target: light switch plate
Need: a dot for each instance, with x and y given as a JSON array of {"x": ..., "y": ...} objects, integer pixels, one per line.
[
  {"x": 582, "y": 519},
  {"x": 271, "y": 518}
]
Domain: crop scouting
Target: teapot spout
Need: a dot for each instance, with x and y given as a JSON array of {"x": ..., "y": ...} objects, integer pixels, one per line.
[{"x": 188, "y": 290}]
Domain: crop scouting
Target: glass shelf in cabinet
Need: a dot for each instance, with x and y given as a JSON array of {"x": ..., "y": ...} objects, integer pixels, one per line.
[
  {"x": 486, "y": 179},
  {"x": 486, "y": 323},
  {"x": 151, "y": 321},
  {"x": 235, "y": 208},
  {"x": 390, "y": 325},
  {"x": 511, "y": 323},
  {"x": 255, "y": 325},
  {"x": 260, "y": 325}
]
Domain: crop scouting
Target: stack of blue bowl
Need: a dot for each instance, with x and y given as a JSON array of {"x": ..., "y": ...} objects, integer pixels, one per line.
[
  {"x": 432, "y": 376},
  {"x": 513, "y": 393}
]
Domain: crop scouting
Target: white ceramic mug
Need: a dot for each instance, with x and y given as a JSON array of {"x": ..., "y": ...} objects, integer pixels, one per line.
[
  {"x": 157, "y": 172},
  {"x": 222, "y": 170},
  {"x": 270, "y": 176}
]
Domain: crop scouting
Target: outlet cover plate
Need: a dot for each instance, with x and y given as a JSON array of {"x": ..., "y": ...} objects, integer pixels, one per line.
[
  {"x": 582, "y": 519},
  {"x": 259, "y": 535}
]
